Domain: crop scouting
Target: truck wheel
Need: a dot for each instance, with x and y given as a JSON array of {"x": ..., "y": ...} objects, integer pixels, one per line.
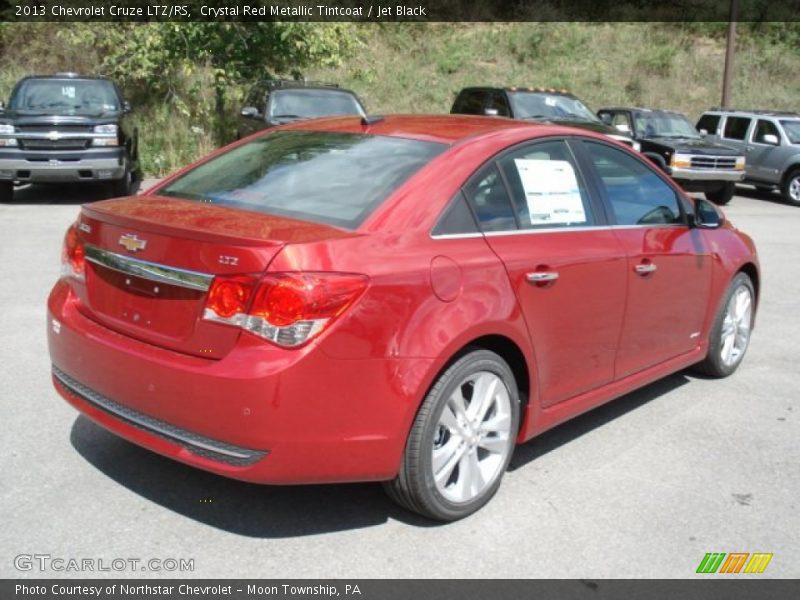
[
  {"x": 124, "y": 185},
  {"x": 722, "y": 195},
  {"x": 6, "y": 191},
  {"x": 791, "y": 188}
]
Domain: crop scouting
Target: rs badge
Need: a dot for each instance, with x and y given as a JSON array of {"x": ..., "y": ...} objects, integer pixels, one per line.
[{"x": 131, "y": 243}]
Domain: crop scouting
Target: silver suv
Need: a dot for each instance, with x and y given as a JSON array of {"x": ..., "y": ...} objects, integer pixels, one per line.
[{"x": 769, "y": 140}]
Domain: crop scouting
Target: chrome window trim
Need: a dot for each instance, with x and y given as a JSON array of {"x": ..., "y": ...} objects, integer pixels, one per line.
[
  {"x": 459, "y": 236},
  {"x": 193, "y": 280}
]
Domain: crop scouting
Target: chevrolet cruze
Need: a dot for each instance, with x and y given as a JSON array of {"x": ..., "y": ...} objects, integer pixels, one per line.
[{"x": 398, "y": 299}]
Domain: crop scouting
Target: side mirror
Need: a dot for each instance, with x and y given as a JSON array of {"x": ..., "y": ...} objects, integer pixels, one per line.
[
  {"x": 770, "y": 138},
  {"x": 605, "y": 118},
  {"x": 623, "y": 127},
  {"x": 491, "y": 112},
  {"x": 706, "y": 215},
  {"x": 251, "y": 112},
  {"x": 2, "y": 107},
  {"x": 703, "y": 132},
  {"x": 126, "y": 107}
]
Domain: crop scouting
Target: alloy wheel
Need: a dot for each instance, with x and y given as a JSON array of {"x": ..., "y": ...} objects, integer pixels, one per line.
[{"x": 471, "y": 440}]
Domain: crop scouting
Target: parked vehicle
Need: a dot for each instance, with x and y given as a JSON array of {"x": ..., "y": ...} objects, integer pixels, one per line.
[
  {"x": 770, "y": 141},
  {"x": 67, "y": 128},
  {"x": 280, "y": 101},
  {"x": 534, "y": 104},
  {"x": 398, "y": 299},
  {"x": 670, "y": 140}
]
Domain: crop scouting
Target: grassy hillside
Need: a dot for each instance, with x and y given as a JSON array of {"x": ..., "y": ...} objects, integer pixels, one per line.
[
  {"x": 414, "y": 68},
  {"x": 409, "y": 67}
]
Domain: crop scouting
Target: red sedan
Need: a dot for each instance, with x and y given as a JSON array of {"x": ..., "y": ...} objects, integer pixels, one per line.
[{"x": 397, "y": 299}]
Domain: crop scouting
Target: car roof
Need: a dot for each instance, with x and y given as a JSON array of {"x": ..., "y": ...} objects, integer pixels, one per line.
[
  {"x": 299, "y": 84},
  {"x": 66, "y": 76},
  {"x": 642, "y": 109},
  {"x": 518, "y": 88},
  {"x": 757, "y": 112},
  {"x": 446, "y": 128}
]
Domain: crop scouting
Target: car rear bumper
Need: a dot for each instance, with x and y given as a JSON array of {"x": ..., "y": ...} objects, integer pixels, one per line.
[
  {"x": 63, "y": 167},
  {"x": 261, "y": 414}
]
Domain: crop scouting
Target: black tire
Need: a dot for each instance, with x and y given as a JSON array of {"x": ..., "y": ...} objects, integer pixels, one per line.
[
  {"x": 791, "y": 188},
  {"x": 123, "y": 186},
  {"x": 415, "y": 487},
  {"x": 723, "y": 195},
  {"x": 714, "y": 364},
  {"x": 6, "y": 191}
]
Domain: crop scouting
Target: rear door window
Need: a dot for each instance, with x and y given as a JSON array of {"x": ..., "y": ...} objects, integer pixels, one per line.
[
  {"x": 546, "y": 188},
  {"x": 736, "y": 128},
  {"x": 326, "y": 177}
]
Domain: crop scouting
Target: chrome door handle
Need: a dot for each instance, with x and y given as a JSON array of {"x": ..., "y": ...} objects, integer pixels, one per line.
[
  {"x": 542, "y": 276},
  {"x": 646, "y": 268}
]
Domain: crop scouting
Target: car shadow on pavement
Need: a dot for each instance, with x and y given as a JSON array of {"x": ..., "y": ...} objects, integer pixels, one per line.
[
  {"x": 751, "y": 192},
  {"x": 63, "y": 193},
  {"x": 289, "y": 511},
  {"x": 246, "y": 509},
  {"x": 583, "y": 424}
]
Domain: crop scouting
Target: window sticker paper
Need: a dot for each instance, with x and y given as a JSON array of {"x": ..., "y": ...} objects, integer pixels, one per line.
[{"x": 551, "y": 191}]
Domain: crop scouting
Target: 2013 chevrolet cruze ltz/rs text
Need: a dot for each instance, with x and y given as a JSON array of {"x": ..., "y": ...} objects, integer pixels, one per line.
[{"x": 397, "y": 299}]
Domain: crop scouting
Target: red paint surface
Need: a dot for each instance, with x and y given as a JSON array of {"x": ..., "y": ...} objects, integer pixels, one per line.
[{"x": 340, "y": 407}]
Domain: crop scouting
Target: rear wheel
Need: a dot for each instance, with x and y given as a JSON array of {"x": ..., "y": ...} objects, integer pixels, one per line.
[
  {"x": 730, "y": 334},
  {"x": 791, "y": 188},
  {"x": 6, "y": 191},
  {"x": 461, "y": 440},
  {"x": 722, "y": 195}
]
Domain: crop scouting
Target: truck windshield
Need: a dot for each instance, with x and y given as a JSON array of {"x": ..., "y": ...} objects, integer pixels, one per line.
[
  {"x": 65, "y": 97},
  {"x": 668, "y": 125},
  {"x": 310, "y": 104},
  {"x": 792, "y": 129},
  {"x": 332, "y": 178},
  {"x": 539, "y": 105}
]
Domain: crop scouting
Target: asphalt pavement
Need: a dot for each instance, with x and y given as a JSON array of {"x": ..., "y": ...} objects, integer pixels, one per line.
[{"x": 642, "y": 487}]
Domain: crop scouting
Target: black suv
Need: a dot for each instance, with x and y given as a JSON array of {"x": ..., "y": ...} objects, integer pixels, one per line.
[
  {"x": 534, "y": 104},
  {"x": 670, "y": 140},
  {"x": 278, "y": 101},
  {"x": 64, "y": 128}
]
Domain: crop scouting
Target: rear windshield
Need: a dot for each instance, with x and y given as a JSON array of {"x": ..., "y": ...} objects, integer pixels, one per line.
[
  {"x": 65, "y": 97},
  {"x": 309, "y": 104},
  {"x": 332, "y": 178}
]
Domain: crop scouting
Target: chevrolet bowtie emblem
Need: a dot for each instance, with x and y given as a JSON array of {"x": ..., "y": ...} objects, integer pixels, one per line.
[{"x": 131, "y": 243}]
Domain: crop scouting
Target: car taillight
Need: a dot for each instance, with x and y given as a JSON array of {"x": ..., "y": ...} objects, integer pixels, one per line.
[
  {"x": 287, "y": 309},
  {"x": 73, "y": 255}
]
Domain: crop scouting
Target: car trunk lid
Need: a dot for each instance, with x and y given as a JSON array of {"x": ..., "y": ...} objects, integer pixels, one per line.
[{"x": 151, "y": 260}]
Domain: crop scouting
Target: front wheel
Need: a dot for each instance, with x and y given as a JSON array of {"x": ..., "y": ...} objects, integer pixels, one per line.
[
  {"x": 6, "y": 191},
  {"x": 730, "y": 333},
  {"x": 461, "y": 440},
  {"x": 124, "y": 185},
  {"x": 791, "y": 188},
  {"x": 722, "y": 195}
]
